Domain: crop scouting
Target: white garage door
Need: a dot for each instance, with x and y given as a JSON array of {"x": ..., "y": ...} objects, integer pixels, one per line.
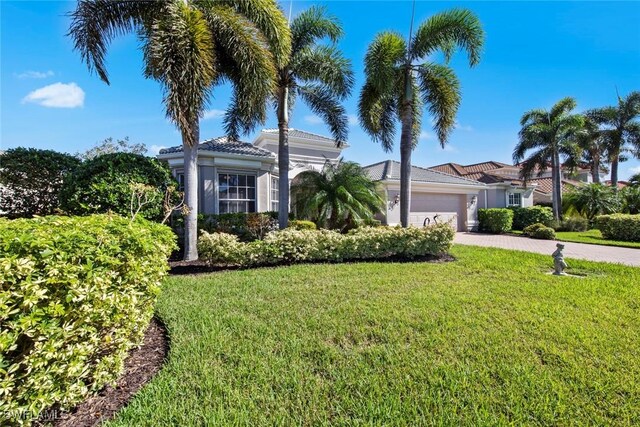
[{"x": 447, "y": 206}]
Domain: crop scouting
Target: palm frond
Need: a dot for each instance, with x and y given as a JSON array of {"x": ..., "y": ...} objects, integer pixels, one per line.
[
  {"x": 325, "y": 104},
  {"x": 325, "y": 65},
  {"x": 377, "y": 114},
  {"x": 385, "y": 55},
  {"x": 447, "y": 30},
  {"x": 440, "y": 91},
  {"x": 311, "y": 25}
]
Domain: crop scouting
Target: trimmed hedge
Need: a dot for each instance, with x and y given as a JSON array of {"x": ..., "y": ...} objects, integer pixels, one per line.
[
  {"x": 539, "y": 231},
  {"x": 301, "y": 224},
  {"x": 292, "y": 246},
  {"x": 247, "y": 226},
  {"x": 573, "y": 223},
  {"x": 495, "y": 220},
  {"x": 523, "y": 217},
  {"x": 619, "y": 227},
  {"x": 76, "y": 294}
]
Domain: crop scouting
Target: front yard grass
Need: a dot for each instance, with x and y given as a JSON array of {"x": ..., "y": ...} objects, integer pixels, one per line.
[
  {"x": 489, "y": 339},
  {"x": 593, "y": 237}
]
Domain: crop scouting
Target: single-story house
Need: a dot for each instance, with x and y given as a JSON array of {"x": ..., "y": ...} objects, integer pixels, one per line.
[
  {"x": 434, "y": 194},
  {"x": 236, "y": 176}
]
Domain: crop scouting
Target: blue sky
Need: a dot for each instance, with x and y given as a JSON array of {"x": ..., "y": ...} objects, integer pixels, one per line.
[{"x": 535, "y": 54}]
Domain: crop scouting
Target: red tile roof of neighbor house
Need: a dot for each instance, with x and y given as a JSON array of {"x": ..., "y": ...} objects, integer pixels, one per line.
[
  {"x": 545, "y": 185},
  {"x": 621, "y": 184},
  {"x": 490, "y": 172}
]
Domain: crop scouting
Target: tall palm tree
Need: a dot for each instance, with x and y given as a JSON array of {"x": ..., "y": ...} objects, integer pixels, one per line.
[
  {"x": 189, "y": 47},
  {"x": 547, "y": 135},
  {"x": 591, "y": 149},
  {"x": 621, "y": 130},
  {"x": 341, "y": 195},
  {"x": 401, "y": 78},
  {"x": 321, "y": 76}
]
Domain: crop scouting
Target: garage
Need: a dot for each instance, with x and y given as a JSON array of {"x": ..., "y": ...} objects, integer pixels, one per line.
[{"x": 430, "y": 207}]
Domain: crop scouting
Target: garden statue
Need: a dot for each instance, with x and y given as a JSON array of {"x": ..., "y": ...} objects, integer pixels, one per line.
[{"x": 558, "y": 261}]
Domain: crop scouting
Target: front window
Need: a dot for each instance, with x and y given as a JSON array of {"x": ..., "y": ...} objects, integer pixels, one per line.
[
  {"x": 180, "y": 179},
  {"x": 515, "y": 199},
  {"x": 275, "y": 194},
  {"x": 236, "y": 193}
]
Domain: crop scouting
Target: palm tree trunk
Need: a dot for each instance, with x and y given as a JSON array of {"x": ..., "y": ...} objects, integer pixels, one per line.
[
  {"x": 405, "y": 151},
  {"x": 614, "y": 171},
  {"x": 191, "y": 194},
  {"x": 283, "y": 157},
  {"x": 557, "y": 186},
  {"x": 595, "y": 170}
]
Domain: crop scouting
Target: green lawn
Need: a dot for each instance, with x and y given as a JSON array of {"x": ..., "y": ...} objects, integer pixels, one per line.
[
  {"x": 594, "y": 237},
  {"x": 489, "y": 339}
]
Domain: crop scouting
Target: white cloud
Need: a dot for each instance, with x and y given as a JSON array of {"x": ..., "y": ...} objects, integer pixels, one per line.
[
  {"x": 426, "y": 136},
  {"x": 634, "y": 170},
  {"x": 213, "y": 114},
  {"x": 57, "y": 95},
  {"x": 450, "y": 148},
  {"x": 312, "y": 120},
  {"x": 35, "y": 74},
  {"x": 155, "y": 149},
  {"x": 465, "y": 128},
  {"x": 353, "y": 120}
]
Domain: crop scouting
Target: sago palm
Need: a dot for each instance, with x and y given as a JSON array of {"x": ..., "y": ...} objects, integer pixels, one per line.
[
  {"x": 341, "y": 195},
  {"x": 401, "y": 78},
  {"x": 592, "y": 199},
  {"x": 620, "y": 126},
  {"x": 318, "y": 74},
  {"x": 189, "y": 47},
  {"x": 544, "y": 137}
]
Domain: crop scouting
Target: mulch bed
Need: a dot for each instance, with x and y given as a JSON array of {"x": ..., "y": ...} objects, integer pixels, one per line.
[
  {"x": 179, "y": 268},
  {"x": 141, "y": 365}
]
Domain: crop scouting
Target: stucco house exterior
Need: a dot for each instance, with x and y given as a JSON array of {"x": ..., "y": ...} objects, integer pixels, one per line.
[{"x": 236, "y": 176}]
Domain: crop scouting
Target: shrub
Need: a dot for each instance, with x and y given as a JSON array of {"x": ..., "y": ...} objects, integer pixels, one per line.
[
  {"x": 300, "y": 224},
  {"x": 77, "y": 293},
  {"x": 591, "y": 200},
  {"x": 31, "y": 179},
  {"x": 619, "y": 227},
  {"x": 292, "y": 246},
  {"x": 573, "y": 223},
  {"x": 532, "y": 228},
  {"x": 247, "y": 226},
  {"x": 495, "y": 220},
  {"x": 523, "y": 217},
  {"x": 631, "y": 199},
  {"x": 103, "y": 184},
  {"x": 539, "y": 231}
]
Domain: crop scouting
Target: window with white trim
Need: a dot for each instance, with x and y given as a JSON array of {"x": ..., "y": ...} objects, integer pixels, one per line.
[
  {"x": 275, "y": 193},
  {"x": 515, "y": 199},
  {"x": 236, "y": 193},
  {"x": 180, "y": 179}
]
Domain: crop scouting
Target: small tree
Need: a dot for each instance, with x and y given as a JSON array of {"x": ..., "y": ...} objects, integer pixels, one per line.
[
  {"x": 592, "y": 200},
  {"x": 31, "y": 179},
  {"x": 631, "y": 199},
  {"x": 340, "y": 196},
  {"x": 109, "y": 146},
  {"x": 105, "y": 184}
]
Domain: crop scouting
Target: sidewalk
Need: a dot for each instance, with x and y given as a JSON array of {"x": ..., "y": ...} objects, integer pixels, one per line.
[{"x": 627, "y": 256}]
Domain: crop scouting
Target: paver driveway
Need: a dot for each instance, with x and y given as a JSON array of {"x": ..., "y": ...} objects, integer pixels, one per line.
[{"x": 628, "y": 256}]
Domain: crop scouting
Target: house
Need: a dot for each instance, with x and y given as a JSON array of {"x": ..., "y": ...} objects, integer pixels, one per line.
[
  {"x": 435, "y": 196},
  {"x": 236, "y": 176},
  {"x": 504, "y": 187}
]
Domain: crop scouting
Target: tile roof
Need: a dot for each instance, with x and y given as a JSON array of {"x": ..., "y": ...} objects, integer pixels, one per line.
[
  {"x": 296, "y": 133},
  {"x": 545, "y": 185},
  {"x": 223, "y": 145},
  {"x": 450, "y": 168},
  {"x": 486, "y": 166},
  {"x": 390, "y": 170}
]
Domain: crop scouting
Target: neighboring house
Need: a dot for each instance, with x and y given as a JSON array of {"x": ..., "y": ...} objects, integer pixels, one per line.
[
  {"x": 237, "y": 176},
  {"x": 433, "y": 194},
  {"x": 621, "y": 184},
  {"x": 504, "y": 187}
]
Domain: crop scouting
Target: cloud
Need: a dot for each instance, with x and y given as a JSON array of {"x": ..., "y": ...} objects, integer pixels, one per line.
[
  {"x": 449, "y": 148},
  {"x": 213, "y": 114},
  {"x": 426, "y": 136},
  {"x": 465, "y": 128},
  {"x": 155, "y": 149},
  {"x": 35, "y": 74},
  {"x": 312, "y": 120},
  {"x": 634, "y": 170},
  {"x": 57, "y": 95},
  {"x": 353, "y": 120}
]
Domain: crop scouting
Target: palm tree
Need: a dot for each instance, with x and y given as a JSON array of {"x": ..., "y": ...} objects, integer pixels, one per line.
[
  {"x": 620, "y": 129},
  {"x": 341, "y": 195},
  {"x": 591, "y": 148},
  {"x": 400, "y": 79},
  {"x": 188, "y": 47},
  {"x": 634, "y": 180},
  {"x": 549, "y": 134},
  {"x": 321, "y": 76},
  {"x": 593, "y": 199}
]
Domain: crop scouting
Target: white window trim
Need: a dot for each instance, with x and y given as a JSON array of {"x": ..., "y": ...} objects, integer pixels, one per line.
[{"x": 246, "y": 172}]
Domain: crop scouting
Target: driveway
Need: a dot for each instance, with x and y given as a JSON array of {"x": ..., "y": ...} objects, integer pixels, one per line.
[{"x": 627, "y": 256}]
